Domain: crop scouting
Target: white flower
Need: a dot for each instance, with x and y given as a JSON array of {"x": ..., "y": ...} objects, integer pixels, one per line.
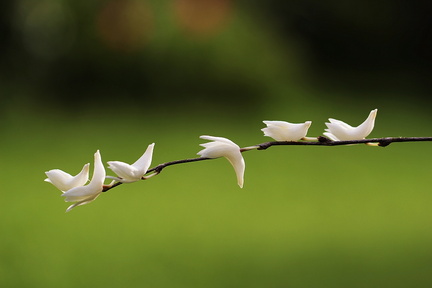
[
  {"x": 65, "y": 181},
  {"x": 130, "y": 173},
  {"x": 341, "y": 131},
  {"x": 285, "y": 131},
  {"x": 85, "y": 194},
  {"x": 223, "y": 147}
]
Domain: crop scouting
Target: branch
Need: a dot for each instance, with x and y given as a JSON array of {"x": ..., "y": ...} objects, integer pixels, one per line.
[
  {"x": 159, "y": 168},
  {"x": 321, "y": 141}
]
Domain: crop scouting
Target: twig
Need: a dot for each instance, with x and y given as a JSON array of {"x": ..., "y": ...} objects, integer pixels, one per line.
[
  {"x": 159, "y": 168},
  {"x": 321, "y": 141}
]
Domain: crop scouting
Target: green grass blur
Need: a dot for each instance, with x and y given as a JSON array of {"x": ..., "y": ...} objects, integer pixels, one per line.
[{"x": 307, "y": 217}]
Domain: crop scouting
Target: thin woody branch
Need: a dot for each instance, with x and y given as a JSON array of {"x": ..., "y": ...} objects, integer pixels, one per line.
[
  {"x": 321, "y": 141},
  {"x": 160, "y": 167}
]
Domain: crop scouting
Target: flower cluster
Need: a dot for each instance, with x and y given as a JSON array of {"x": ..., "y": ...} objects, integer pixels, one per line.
[
  {"x": 80, "y": 190},
  {"x": 74, "y": 188}
]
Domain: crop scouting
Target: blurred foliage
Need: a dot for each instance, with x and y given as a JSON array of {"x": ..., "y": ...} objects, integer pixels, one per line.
[
  {"x": 116, "y": 75},
  {"x": 186, "y": 52}
]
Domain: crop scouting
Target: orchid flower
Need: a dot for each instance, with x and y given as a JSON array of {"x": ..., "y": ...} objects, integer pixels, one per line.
[
  {"x": 285, "y": 131},
  {"x": 64, "y": 181},
  {"x": 131, "y": 173},
  {"x": 86, "y": 194},
  {"x": 341, "y": 131},
  {"x": 223, "y": 147}
]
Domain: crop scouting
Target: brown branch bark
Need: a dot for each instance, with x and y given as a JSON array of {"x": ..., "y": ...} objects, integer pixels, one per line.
[{"x": 321, "y": 141}]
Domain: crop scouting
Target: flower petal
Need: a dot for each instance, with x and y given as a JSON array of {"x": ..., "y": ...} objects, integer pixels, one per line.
[
  {"x": 92, "y": 190},
  {"x": 65, "y": 181},
  {"x": 223, "y": 147},
  {"x": 82, "y": 202},
  {"x": 367, "y": 126},
  {"x": 218, "y": 139},
  {"x": 237, "y": 161},
  {"x": 144, "y": 162},
  {"x": 132, "y": 173},
  {"x": 285, "y": 131},
  {"x": 340, "y": 131},
  {"x": 126, "y": 172}
]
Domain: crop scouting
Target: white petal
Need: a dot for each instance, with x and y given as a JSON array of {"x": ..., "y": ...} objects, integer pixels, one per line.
[
  {"x": 135, "y": 172},
  {"x": 367, "y": 126},
  {"x": 65, "y": 181},
  {"x": 89, "y": 192},
  {"x": 339, "y": 130},
  {"x": 285, "y": 131},
  {"x": 144, "y": 162},
  {"x": 331, "y": 136},
  {"x": 237, "y": 161},
  {"x": 218, "y": 139},
  {"x": 216, "y": 150},
  {"x": 82, "y": 202},
  {"x": 58, "y": 177},
  {"x": 98, "y": 172},
  {"x": 127, "y": 172},
  {"x": 80, "y": 193},
  {"x": 222, "y": 147},
  {"x": 340, "y": 123}
]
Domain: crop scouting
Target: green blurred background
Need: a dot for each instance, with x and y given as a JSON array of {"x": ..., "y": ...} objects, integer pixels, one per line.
[{"x": 117, "y": 75}]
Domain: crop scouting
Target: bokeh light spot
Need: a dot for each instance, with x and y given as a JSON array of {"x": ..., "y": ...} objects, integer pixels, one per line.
[
  {"x": 125, "y": 25},
  {"x": 202, "y": 17}
]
